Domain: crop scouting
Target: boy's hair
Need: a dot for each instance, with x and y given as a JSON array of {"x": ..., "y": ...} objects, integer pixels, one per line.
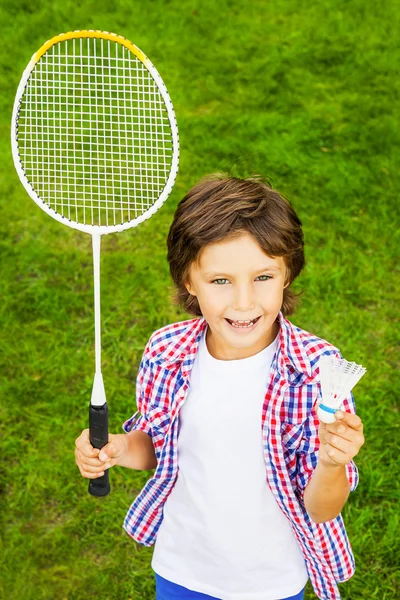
[{"x": 219, "y": 207}]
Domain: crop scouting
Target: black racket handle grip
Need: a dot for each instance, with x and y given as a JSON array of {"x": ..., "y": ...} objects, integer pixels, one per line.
[{"x": 98, "y": 435}]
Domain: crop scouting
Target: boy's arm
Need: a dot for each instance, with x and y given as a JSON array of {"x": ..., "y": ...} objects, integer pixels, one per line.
[
  {"x": 329, "y": 486},
  {"x": 326, "y": 493},
  {"x": 138, "y": 451}
]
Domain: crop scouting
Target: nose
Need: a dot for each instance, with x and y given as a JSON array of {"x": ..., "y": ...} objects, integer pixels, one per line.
[{"x": 244, "y": 299}]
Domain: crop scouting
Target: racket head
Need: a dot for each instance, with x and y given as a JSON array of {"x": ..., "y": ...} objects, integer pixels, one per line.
[{"x": 94, "y": 135}]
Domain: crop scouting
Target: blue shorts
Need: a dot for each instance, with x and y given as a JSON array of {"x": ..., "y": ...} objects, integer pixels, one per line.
[{"x": 166, "y": 590}]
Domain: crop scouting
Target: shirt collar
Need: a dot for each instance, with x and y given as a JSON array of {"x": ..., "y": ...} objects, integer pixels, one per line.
[
  {"x": 184, "y": 344},
  {"x": 291, "y": 353}
]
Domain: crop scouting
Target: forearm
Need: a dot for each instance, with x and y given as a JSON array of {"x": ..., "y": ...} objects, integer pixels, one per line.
[
  {"x": 327, "y": 492},
  {"x": 139, "y": 451}
]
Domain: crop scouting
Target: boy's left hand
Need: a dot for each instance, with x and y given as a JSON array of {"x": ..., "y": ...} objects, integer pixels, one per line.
[{"x": 340, "y": 441}]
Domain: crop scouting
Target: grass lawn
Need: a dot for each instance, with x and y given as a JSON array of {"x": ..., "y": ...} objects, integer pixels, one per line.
[{"x": 304, "y": 93}]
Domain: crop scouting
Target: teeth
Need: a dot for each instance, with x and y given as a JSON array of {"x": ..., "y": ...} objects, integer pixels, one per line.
[{"x": 243, "y": 323}]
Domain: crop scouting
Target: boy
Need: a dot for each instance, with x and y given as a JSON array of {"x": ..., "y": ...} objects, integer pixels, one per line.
[{"x": 246, "y": 497}]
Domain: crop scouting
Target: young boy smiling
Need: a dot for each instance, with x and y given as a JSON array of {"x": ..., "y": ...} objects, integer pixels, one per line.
[
  {"x": 248, "y": 487},
  {"x": 251, "y": 290}
]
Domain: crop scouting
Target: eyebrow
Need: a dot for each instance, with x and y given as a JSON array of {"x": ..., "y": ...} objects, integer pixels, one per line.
[{"x": 214, "y": 274}]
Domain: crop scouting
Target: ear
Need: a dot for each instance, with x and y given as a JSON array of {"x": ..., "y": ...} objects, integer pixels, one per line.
[
  {"x": 189, "y": 288},
  {"x": 287, "y": 278}
]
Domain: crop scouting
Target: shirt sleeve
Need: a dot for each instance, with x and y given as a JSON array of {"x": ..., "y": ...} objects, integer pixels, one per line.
[
  {"x": 137, "y": 422},
  {"x": 307, "y": 453},
  {"x": 351, "y": 467},
  {"x": 150, "y": 419}
]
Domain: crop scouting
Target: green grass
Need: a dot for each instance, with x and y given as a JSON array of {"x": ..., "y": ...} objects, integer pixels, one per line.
[{"x": 304, "y": 93}]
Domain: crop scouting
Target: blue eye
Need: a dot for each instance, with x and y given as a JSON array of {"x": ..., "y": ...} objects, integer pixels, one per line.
[{"x": 267, "y": 277}]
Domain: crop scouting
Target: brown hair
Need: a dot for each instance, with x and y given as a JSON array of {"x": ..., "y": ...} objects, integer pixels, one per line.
[{"x": 219, "y": 207}]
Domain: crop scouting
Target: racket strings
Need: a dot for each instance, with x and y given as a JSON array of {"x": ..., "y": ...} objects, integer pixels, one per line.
[{"x": 94, "y": 136}]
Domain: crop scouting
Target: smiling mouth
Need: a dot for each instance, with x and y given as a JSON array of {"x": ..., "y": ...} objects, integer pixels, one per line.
[{"x": 243, "y": 324}]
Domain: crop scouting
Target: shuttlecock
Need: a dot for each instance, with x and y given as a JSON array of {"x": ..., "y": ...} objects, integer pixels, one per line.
[{"x": 337, "y": 377}]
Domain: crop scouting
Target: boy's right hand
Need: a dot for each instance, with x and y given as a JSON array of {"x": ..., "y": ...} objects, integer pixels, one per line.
[{"x": 93, "y": 462}]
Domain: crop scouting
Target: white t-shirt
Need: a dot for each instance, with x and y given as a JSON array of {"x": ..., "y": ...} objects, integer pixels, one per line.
[{"x": 223, "y": 533}]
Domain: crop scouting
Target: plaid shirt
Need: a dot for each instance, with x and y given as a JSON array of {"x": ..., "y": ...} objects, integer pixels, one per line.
[{"x": 289, "y": 428}]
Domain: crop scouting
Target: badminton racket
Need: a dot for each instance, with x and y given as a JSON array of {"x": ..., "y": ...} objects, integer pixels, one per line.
[{"x": 95, "y": 144}]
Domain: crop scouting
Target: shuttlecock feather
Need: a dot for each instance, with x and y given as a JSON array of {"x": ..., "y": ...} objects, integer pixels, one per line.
[{"x": 337, "y": 377}]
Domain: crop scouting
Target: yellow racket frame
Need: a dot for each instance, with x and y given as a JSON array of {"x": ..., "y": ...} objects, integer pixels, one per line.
[{"x": 88, "y": 33}]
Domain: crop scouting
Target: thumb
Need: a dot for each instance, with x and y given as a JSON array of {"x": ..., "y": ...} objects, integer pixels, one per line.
[
  {"x": 113, "y": 449},
  {"x": 105, "y": 453}
]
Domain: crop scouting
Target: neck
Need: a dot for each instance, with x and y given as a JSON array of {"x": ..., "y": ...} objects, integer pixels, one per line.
[{"x": 222, "y": 352}]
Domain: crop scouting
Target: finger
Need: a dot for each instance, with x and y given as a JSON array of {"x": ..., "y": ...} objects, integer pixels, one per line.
[
  {"x": 350, "y": 419},
  {"x": 336, "y": 455},
  {"x": 104, "y": 456},
  {"x": 83, "y": 444},
  {"x": 337, "y": 427},
  {"x": 92, "y": 464},
  {"x": 99, "y": 467},
  {"x": 85, "y": 460},
  {"x": 341, "y": 429},
  {"x": 88, "y": 475},
  {"x": 108, "y": 452},
  {"x": 89, "y": 469},
  {"x": 339, "y": 443}
]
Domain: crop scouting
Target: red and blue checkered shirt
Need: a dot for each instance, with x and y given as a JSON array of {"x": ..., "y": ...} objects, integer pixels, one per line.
[{"x": 289, "y": 427}]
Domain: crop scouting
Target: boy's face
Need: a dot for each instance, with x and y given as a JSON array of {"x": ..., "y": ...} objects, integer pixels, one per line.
[{"x": 236, "y": 280}]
